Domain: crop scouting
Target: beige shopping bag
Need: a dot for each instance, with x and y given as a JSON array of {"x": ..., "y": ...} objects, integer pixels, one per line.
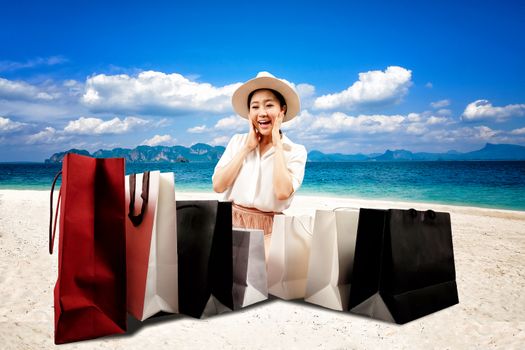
[
  {"x": 331, "y": 258},
  {"x": 288, "y": 256},
  {"x": 151, "y": 244}
]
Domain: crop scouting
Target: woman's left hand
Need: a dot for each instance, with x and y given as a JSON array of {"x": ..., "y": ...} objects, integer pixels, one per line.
[{"x": 276, "y": 136}]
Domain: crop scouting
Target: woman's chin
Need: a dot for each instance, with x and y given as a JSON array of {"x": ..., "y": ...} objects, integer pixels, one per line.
[{"x": 265, "y": 132}]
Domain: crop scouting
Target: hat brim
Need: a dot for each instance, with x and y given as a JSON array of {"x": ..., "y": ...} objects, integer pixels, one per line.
[{"x": 240, "y": 96}]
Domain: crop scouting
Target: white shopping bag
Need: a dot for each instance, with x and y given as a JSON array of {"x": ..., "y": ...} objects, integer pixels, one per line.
[
  {"x": 288, "y": 256},
  {"x": 151, "y": 245},
  {"x": 331, "y": 258},
  {"x": 250, "y": 284}
]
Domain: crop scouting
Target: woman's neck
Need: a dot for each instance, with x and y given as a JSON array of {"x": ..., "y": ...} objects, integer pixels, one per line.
[{"x": 266, "y": 140}]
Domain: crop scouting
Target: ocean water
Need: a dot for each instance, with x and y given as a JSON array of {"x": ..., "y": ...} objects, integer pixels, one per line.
[{"x": 481, "y": 184}]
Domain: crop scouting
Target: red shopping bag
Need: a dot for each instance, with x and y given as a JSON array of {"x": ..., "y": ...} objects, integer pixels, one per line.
[{"x": 90, "y": 292}]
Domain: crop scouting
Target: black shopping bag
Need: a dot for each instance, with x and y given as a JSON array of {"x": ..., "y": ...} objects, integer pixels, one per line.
[
  {"x": 204, "y": 246},
  {"x": 403, "y": 265}
]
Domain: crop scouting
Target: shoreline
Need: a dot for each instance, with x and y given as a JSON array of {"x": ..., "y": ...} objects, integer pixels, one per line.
[
  {"x": 308, "y": 161},
  {"x": 484, "y": 185},
  {"x": 364, "y": 202}
]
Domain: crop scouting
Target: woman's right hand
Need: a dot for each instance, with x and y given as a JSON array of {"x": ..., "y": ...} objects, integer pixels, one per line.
[
  {"x": 253, "y": 138},
  {"x": 225, "y": 176}
]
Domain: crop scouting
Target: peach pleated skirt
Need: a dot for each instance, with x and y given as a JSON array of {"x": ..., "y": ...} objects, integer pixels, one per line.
[{"x": 253, "y": 218}]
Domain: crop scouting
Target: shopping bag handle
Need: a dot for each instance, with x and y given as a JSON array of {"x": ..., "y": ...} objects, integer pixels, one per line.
[
  {"x": 428, "y": 214},
  {"x": 53, "y": 227},
  {"x": 302, "y": 224},
  {"x": 188, "y": 206},
  {"x": 431, "y": 214},
  {"x": 137, "y": 219},
  {"x": 353, "y": 208}
]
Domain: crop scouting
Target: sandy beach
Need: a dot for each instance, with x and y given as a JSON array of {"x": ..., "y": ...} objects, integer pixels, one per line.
[{"x": 489, "y": 248}]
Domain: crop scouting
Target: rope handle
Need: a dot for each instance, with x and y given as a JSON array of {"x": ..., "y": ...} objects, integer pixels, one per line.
[
  {"x": 53, "y": 227},
  {"x": 137, "y": 219}
]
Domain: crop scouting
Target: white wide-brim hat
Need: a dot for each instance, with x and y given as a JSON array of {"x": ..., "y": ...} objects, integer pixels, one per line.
[{"x": 265, "y": 80}]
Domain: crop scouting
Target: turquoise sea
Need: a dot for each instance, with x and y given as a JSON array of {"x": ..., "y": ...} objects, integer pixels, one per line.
[{"x": 494, "y": 184}]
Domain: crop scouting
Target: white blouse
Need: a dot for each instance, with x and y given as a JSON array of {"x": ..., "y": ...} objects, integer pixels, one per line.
[{"x": 253, "y": 186}]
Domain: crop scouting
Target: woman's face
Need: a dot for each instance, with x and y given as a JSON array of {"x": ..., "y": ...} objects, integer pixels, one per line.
[{"x": 264, "y": 109}]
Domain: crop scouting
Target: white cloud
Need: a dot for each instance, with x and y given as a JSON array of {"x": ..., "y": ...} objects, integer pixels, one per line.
[
  {"x": 47, "y": 136},
  {"x": 444, "y": 112},
  {"x": 88, "y": 126},
  {"x": 96, "y": 126},
  {"x": 370, "y": 124},
  {"x": 39, "y": 61},
  {"x": 440, "y": 104},
  {"x": 301, "y": 121},
  {"x": 413, "y": 117},
  {"x": 19, "y": 90},
  {"x": 484, "y": 132},
  {"x": 40, "y": 110},
  {"x": 48, "y": 100},
  {"x": 484, "y": 110},
  {"x": 520, "y": 131},
  {"x": 305, "y": 90},
  {"x": 233, "y": 122},
  {"x": 164, "y": 122},
  {"x": 7, "y": 125},
  {"x": 465, "y": 134},
  {"x": 71, "y": 83},
  {"x": 429, "y": 85},
  {"x": 316, "y": 127},
  {"x": 220, "y": 141},
  {"x": 416, "y": 129},
  {"x": 159, "y": 140},
  {"x": 307, "y": 94},
  {"x": 198, "y": 129},
  {"x": 372, "y": 87},
  {"x": 73, "y": 87},
  {"x": 436, "y": 120},
  {"x": 155, "y": 93},
  {"x": 423, "y": 131}
]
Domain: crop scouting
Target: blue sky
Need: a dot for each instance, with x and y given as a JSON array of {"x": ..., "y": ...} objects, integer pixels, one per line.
[{"x": 418, "y": 75}]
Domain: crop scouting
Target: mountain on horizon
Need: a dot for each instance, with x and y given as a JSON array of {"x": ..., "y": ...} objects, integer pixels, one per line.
[
  {"x": 201, "y": 152},
  {"x": 488, "y": 152},
  {"x": 336, "y": 157},
  {"x": 495, "y": 151}
]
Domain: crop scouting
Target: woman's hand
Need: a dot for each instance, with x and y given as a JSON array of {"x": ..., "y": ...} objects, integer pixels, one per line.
[
  {"x": 276, "y": 136},
  {"x": 282, "y": 179},
  {"x": 253, "y": 137}
]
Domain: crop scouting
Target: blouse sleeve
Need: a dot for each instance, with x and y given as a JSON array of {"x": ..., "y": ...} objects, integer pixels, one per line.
[
  {"x": 296, "y": 165},
  {"x": 228, "y": 154}
]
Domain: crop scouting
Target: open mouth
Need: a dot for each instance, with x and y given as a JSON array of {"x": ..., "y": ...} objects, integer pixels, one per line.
[{"x": 264, "y": 122}]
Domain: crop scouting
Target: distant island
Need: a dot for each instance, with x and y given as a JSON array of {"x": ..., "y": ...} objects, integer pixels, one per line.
[
  {"x": 202, "y": 152},
  {"x": 488, "y": 152},
  {"x": 199, "y": 152}
]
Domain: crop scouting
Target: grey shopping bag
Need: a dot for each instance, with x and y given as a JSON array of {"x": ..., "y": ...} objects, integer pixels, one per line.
[{"x": 249, "y": 267}]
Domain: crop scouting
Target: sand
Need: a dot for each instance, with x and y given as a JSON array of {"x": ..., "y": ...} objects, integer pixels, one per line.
[{"x": 489, "y": 247}]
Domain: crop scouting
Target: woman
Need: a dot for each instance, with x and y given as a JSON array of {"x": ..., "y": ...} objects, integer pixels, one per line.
[{"x": 262, "y": 169}]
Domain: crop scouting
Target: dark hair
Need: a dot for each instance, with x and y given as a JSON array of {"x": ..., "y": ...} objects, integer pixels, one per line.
[{"x": 277, "y": 94}]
